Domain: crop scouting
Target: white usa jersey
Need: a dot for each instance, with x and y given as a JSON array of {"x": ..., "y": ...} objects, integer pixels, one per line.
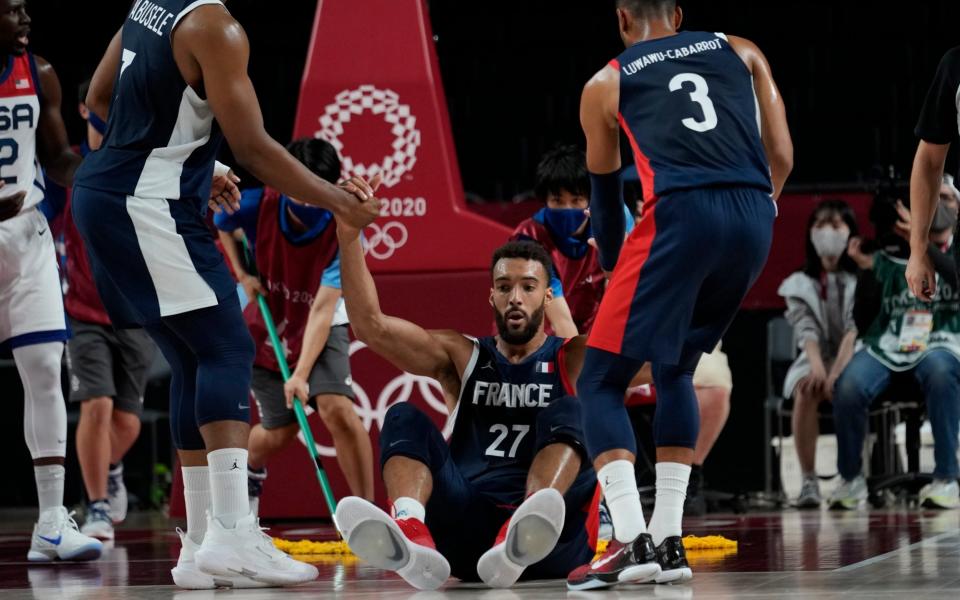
[{"x": 19, "y": 116}]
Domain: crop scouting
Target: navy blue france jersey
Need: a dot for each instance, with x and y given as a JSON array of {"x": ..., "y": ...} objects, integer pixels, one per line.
[
  {"x": 161, "y": 139},
  {"x": 688, "y": 106},
  {"x": 494, "y": 435}
]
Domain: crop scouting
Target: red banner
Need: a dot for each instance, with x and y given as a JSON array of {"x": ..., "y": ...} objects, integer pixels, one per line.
[{"x": 372, "y": 88}]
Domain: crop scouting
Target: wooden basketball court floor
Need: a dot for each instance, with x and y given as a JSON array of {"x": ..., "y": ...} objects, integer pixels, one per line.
[{"x": 898, "y": 553}]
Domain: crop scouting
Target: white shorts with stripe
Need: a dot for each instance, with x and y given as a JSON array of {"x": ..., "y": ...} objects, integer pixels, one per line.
[{"x": 31, "y": 299}]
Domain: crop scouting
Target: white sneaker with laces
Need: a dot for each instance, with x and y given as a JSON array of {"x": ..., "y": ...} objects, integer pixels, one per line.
[
  {"x": 188, "y": 576},
  {"x": 247, "y": 551},
  {"x": 57, "y": 537},
  {"x": 97, "y": 523},
  {"x": 940, "y": 493},
  {"x": 117, "y": 494}
]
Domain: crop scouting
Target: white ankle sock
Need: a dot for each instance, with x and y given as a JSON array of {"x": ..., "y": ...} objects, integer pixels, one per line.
[
  {"x": 408, "y": 508},
  {"x": 228, "y": 485},
  {"x": 49, "y": 485},
  {"x": 619, "y": 486},
  {"x": 672, "y": 479},
  {"x": 196, "y": 496}
]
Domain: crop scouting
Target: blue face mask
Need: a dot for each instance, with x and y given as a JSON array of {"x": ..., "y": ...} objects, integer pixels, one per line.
[
  {"x": 562, "y": 223},
  {"x": 309, "y": 215}
]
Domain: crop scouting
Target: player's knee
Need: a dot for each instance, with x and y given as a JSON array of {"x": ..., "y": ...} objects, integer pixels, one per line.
[
  {"x": 405, "y": 419},
  {"x": 125, "y": 423},
  {"x": 97, "y": 411},
  {"x": 336, "y": 412}
]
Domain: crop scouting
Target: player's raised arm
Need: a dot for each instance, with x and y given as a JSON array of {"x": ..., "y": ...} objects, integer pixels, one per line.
[
  {"x": 439, "y": 354},
  {"x": 212, "y": 52},
  {"x": 774, "y": 130},
  {"x": 53, "y": 147},
  {"x": 598, "y": 117}
]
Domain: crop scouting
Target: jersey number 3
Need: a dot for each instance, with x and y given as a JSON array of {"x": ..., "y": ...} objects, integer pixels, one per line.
[
  {"x": 502, "y": 433},
  {"x": 700, "y": 95}
]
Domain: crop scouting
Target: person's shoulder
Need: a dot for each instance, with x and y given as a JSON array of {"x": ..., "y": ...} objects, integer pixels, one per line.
[
  {"x": 529, "y": 229},
  {"x": 794, "y": 282},
  {"x": 950, "y": 63}
]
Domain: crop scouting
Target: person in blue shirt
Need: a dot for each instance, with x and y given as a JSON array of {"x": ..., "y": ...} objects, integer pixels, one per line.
[{"x": 298, "y": 272}]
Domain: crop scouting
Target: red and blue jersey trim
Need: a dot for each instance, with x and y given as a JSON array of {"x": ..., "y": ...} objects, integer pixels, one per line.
[{"x": 19, "y": 77}]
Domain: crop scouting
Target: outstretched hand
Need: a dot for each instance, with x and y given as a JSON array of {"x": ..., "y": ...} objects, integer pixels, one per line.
[
  {"x": 224, "y": 193},
  {"x": 11, "y": 205}
]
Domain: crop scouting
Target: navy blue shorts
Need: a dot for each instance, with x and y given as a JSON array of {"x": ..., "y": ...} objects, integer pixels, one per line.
[
  {"x": 683, "y": 273},
  {"x": 150, "y": 258},
  {"x": 465, "y": 516}
]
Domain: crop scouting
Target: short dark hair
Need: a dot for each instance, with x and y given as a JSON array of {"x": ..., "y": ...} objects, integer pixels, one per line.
[
  {"x": 82, "y": 90},
  {"x": 526, "y": 250},
  {"x": 648, "y": 9},
  {"x": 563, "y": 167},
  {"x": 318, "y": 155}
]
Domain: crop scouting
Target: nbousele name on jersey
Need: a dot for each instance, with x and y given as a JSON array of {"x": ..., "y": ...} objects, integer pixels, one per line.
[
  {"x": 493, "y": 439},
  {"x": 161, "y": 139}
]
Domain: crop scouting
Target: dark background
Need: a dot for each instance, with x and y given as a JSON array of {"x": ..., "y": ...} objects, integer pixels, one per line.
[{"x": 853, "y": 76}]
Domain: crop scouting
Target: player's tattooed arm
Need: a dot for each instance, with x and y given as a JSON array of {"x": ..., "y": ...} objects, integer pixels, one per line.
[
  {"x": 442, "y": 355},
  {"x": 575, "y": 350},
  {"x": 53, "y": 147},
  {"x": 774, "y": 130}
]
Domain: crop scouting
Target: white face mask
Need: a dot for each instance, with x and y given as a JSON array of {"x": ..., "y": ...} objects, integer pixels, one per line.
[{"x": 829, "y": 242}]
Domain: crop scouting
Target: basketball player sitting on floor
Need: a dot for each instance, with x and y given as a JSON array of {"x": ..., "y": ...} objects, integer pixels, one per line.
[{"x": 515, "y": 462}]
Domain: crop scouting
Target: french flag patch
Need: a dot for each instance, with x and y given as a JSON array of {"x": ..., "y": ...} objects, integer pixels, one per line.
[
  {"x": 544, "y": 367},
  {"x": 21, "y": 84}
]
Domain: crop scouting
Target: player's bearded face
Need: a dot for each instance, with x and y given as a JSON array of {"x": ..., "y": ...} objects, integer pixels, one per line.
[{"x": 515, "y": 326}]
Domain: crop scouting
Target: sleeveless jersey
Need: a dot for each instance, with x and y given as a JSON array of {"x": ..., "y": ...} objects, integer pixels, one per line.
[
  {"x": 291, "y": 274},
  {"x": 161, "y": 138},
  {"x": 19, "y": 116},
  {"x": 582, "y": 278},
  {"x": 688, "y": 107},
  {"x": 494, "y": 430}
]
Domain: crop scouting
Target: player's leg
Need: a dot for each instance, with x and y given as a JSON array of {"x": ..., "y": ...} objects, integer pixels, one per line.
[
  {"x": 531, "y": 533},
  {"x": 413, "y": 457},
  {"x": 350, "y": 438},
  {"x": 133, "y": 355},
  {"x": 277, "y": 428},
  {"x": 218, "y": 339},
  {"x": 56, "y": 535},
  {"x": 712, "y": 382},
  {"x": 90, "y": 368},
  {"x": 330, "y": 384}
]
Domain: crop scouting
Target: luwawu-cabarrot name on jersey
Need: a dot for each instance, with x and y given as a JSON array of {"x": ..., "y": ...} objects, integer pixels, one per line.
[
  {"x": 512, "y": 395},
  {"x": 151, "y": 16},
  {"x": 646, "y": 60}
]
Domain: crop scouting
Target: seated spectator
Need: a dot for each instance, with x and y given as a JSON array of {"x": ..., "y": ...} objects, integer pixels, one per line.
[
  {"x": 820, "y": 307},
  {"x": 563, "y": 229},
  {"x": 907, "y": 335}
]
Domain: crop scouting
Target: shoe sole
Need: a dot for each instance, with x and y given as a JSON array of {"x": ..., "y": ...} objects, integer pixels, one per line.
[
  {"x": 100, "y": 535},
  {"x": 532, "y": 534},
  {"x": 85, "y": 553},
  {"x": 374, "y": 537},
  {"x": 221, "y": 562},
  {"x": 636, "y": 574},
  {"x": 681, "y": 575},
  {"x": 194, "y": 579},
  {"x": 931, "y": 502}
]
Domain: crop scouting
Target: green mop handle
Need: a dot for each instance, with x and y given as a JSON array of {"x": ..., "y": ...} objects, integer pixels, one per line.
[{"x": 297, "y": 403}]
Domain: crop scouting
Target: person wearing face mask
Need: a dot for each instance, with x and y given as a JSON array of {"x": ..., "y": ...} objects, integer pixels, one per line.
[
  {"x": 918, "y": 336},
  {"x": 563, "y": 229},
  {"x": 297, "y": 257},
  {"x": 819, "y": 302}
]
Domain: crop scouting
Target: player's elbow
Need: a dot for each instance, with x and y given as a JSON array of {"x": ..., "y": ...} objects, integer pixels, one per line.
[{"x": 369, "y": 329}]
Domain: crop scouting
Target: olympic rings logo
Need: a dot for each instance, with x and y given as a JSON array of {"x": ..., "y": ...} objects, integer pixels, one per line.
[
  {"x": 399, "y": 389},
  {"x": 383, "y": 242},
  {"x": 403, "y": 126}
]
